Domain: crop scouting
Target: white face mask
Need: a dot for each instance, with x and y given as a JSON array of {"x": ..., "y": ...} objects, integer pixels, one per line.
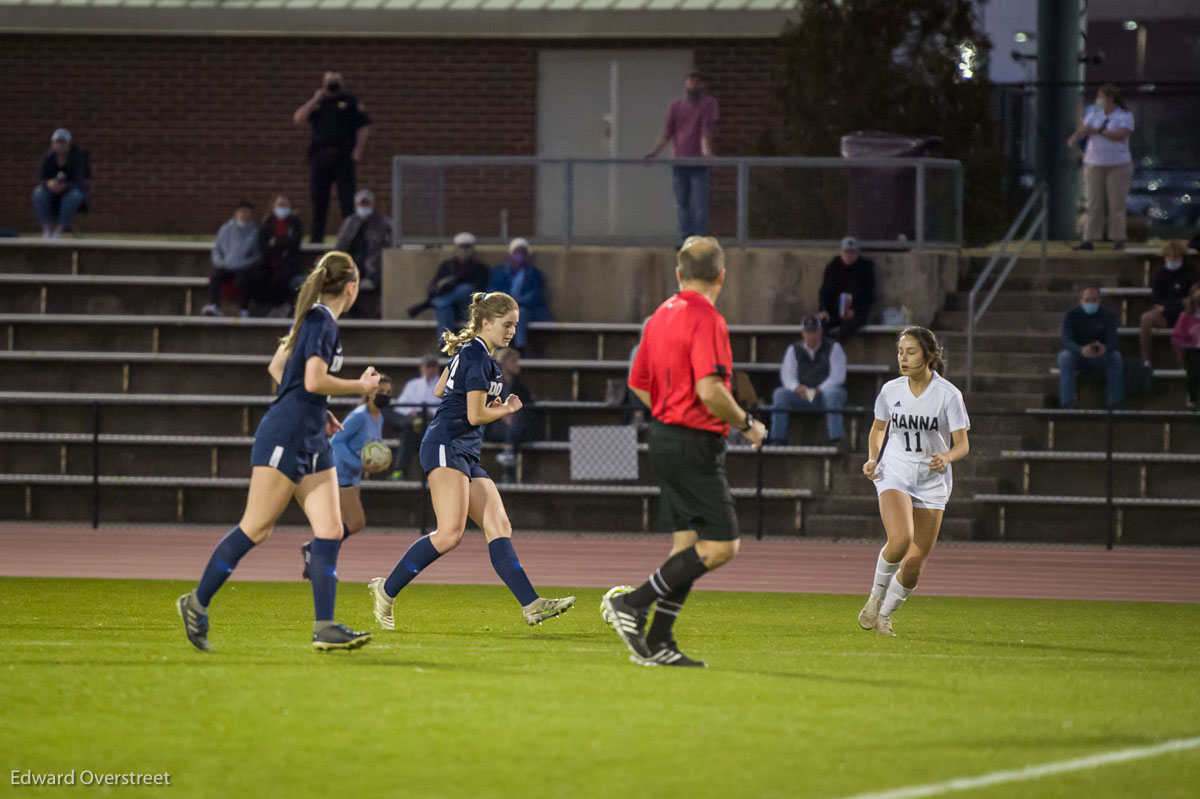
[
  {"x": 282, "y": 212},
  {"x": 364, "y": 211}
]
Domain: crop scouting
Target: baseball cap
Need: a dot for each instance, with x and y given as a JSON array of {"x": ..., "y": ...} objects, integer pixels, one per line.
[
  {"x": 811, "y": 323},
  {"x": 517, "y": 244},
  {"x": 464, "y": 240},
  {"x": 62, "y": 134},
  {"x": 364, "y": 194},
  {"x": 849, "y": 243}
]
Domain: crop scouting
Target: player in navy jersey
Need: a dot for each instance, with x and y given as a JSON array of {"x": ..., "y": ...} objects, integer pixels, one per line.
[
  {"x": 363, "y": 424},
  {"x": 470, "y": 389},
  {"x": 920, "y": 429},
  {"x": 291, "y": 456}
]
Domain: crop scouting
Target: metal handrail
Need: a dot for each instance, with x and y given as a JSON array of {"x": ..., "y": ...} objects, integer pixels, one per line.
[
  {"x": 1040, "y": 193},
  {"x": 921, "y": 169}
]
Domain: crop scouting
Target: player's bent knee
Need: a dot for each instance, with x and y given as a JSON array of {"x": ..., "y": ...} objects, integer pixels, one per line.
[{"x": 446, "y": 540}]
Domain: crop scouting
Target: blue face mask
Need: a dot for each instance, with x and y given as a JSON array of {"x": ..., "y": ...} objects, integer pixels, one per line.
[
  {"x": 1172, "y": 265},
  {"x": 282, "y": 212},
  {"x": 364, "y": 211},
  {"x": 1090, "y": 308}
]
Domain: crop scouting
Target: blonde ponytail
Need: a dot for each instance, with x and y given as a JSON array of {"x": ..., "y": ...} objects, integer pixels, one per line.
[
  {"x": 333, "y": 271},
  {"x": 484, "y": 305}
]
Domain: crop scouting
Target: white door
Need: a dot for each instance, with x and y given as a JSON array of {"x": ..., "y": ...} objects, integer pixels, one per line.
[{"x": 607, "y": 104}]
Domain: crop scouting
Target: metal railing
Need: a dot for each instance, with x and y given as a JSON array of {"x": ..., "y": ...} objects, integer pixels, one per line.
[
  {"x": 1041, "y": 195},
  {"x": 894, "y": 203}
]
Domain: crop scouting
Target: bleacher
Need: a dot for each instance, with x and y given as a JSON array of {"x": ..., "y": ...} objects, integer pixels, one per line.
[{"x": 112, "y": 388}]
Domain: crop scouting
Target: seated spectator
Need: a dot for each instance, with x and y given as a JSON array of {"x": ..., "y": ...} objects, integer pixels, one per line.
[
  {"x": 522, "y": 281},
  {"x": 235, "y": 251},
  {"x": 813, "y": 375},
  {"x": 409, "y": 413},
  {"x": 1186, "y": 340},
  {"x": 365, "y": 235},
  {"x": 847, "y": 292},
  {"x": 62, "y": 185},
  {"x": 1170, "y": 288},
  {"x": 513, "y": 430},
  {"x": 453, "y": 284},
  {"x": 273, "y": 280},
  {"x": 1089, "y": 340}
]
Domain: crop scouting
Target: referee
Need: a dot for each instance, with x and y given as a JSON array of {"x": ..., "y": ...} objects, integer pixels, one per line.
[
  {"x": 339, "y": 132},
  {"x": 682, "y": 372}
]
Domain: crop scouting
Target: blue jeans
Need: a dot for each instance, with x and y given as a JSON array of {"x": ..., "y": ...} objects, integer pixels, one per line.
[
  {"x": 691, "y": 200},
  {"x": 834, "y": 400},
  {"x": 448, "y": 308},
  {"x": 47, "y": 205},
  {"x": 1110, "y": 366}
]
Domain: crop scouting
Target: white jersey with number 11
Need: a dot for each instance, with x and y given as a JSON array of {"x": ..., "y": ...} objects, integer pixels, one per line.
[{"x": 917, "y": 428}]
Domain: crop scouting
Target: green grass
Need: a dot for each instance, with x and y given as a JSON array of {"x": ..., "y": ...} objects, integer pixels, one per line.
[{"x": 466, "y": 701}]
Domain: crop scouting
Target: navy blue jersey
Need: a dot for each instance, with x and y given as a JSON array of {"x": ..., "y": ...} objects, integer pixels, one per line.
[
  {"x": 472, "y": 369},
  {"x": 296, "y": 419}
]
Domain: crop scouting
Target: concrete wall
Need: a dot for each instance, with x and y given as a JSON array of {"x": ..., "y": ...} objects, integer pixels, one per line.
[{"x": 764, "y": 286}]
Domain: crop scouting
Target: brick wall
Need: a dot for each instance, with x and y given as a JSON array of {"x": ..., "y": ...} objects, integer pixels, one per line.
[{"x": 181, "y": 126}]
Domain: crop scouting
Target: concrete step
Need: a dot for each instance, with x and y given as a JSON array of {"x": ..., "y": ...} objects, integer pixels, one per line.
[
  {"x": 1068, "y": 283},
  {"x": 1081, "y": 524},
  {"x": 1100, "y": 262},
  {"x": 1012, "y": 322},
  {"x": 1012, "y": 300}
]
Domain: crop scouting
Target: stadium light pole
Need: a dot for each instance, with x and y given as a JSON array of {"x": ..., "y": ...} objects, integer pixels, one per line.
[{"x": 1061, "y": 35}]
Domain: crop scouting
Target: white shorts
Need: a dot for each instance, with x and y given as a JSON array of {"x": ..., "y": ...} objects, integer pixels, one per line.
[{"x": 925, "y": 487}]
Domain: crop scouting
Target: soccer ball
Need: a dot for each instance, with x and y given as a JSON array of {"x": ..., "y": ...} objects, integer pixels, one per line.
[
  {"x": 618, "y": 590},
  {"x": 376, "y": 455}
]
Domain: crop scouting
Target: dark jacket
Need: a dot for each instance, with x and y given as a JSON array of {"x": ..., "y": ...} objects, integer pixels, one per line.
[
  {"x": 530, "y": 296},
  {"x": 365, "y": 240},
  {"x": 281, "y": 251},
  {"x": 1080, "y": 329},
  {"x": 472, "y": 272},
  {"x": 857, "y": 280},
  {"x": 1170, "y": 289},
  {"x": 74, "y": 173}
]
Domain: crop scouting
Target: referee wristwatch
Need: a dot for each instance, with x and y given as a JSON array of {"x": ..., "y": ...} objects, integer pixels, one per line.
[{"x": 749, "y": 423}]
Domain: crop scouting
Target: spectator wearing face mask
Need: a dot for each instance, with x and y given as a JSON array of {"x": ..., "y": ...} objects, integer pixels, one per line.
[
  {"x": 1169, "y": 289},
  {"x": 1089, "y": 340},
  {"x": 365, "y": 236},
  {"x": 274, "y": 279},
  {"x": 62, "y": 185},
  {"x": 339, "y": 133},
  {"x": 233, "y": 254},
  {"x": 522, "y": 281},
  {"x": 1107, "y": 166},
  {"x": 455, "y": 280}
]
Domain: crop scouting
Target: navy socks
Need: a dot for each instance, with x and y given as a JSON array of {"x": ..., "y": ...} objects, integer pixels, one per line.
[
  {"x": 322, "y": 571},
  {"x": 224, "y": 560},
  {"x": 418, "y": 557},
  {"x": 504, "y": 561}
]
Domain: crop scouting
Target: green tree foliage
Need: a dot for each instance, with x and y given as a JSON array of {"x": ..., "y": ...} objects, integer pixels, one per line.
[{"x": 915, "y": 67}]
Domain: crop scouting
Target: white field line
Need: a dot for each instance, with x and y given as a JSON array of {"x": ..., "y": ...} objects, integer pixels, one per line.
[{"x": 1034, "y": 772}]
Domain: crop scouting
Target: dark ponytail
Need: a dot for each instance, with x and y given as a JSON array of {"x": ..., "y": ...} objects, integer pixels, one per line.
[{"x": 929, "y": 346}]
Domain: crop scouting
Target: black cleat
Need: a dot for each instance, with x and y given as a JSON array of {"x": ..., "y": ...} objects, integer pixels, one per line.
[
  {"x": 306, "y": 551},
  {"x": 339, "y": 636},
  {"x": 629, "y": 623},
  {"x": 195, "y": 623},
  {"x": 668, "y": 654}
]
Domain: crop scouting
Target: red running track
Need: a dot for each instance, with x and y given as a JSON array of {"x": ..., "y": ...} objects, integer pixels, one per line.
[{"x": 600, "y": 561}]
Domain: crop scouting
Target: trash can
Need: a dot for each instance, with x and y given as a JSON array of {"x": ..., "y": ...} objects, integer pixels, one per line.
[{"x": 881, "y": 199}]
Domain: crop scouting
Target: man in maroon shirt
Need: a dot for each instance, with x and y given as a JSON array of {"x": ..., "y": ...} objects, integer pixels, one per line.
[
  {"x": 689, "y": 129},
  {"x": 681, "y": 373}
]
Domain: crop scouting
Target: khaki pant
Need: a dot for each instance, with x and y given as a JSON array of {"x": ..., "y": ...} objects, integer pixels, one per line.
[{"x": 1106, "y": 185}]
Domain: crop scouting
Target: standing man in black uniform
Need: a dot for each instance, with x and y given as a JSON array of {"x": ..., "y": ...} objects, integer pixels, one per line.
[{"x": 339, "y": 133}]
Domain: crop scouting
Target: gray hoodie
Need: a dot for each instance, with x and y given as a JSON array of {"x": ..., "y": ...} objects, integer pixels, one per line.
[{"x": 236, "y": 247}]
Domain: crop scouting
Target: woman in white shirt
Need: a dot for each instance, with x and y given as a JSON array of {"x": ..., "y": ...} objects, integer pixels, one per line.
[{"x": 1107, "y": 166}]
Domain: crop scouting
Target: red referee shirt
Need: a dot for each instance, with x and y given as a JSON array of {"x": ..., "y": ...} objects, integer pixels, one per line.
[{"x": 685, "y": 340}]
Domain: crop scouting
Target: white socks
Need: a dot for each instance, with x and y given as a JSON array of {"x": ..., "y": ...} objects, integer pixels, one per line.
[
  {"x": 883, "y": 576},
  {"x": 896, "y": 594}
]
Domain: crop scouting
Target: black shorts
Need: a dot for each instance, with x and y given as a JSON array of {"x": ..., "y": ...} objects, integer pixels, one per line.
[{"x": 689, "y": 465}]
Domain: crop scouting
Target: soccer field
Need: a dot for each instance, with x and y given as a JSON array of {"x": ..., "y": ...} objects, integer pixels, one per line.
[{"x": 466, "y": 701}]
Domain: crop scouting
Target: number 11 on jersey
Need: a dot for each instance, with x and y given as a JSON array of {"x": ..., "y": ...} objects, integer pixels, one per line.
[{"x": 908, "y": 447}]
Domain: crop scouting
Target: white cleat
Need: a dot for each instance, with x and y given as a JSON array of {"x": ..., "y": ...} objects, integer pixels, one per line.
[
  {"x": 604, "y": 614},
  {"x": 870, "y": 612},
  {"x": 383, "y": 604},
  {"x": 883, "y": 626},
  {"x": 541, "y": 609}
]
